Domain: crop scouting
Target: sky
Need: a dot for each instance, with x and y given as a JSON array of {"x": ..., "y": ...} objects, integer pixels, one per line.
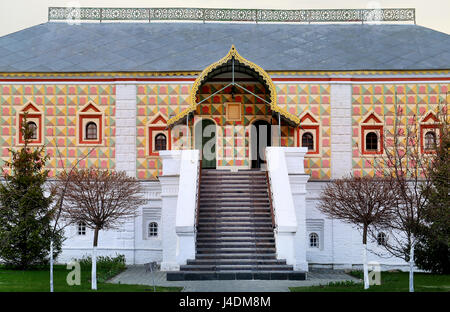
[{"x": 19, "y": 14}]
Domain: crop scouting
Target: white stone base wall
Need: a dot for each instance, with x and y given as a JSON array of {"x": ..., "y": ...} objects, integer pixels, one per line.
[
  {"x": 340, "y": 244},
  {"x": 131, "y": 239}
]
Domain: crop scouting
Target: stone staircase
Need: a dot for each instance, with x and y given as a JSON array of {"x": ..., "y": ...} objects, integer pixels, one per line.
[{"x": 235, "y": 238}]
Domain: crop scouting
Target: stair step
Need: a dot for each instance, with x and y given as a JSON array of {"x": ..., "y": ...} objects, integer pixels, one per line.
[
  {"x": 235, "y": 234},
  {"x": 231, "y": 204},
  {"x": 234, "y": 239},
  {"x": 236, "y": 256},
  {"x": 236, "y": 261},
  {"x": 235, "y": 250},
  {"x": 247, "y": 194},
  {"x": 239, "y": 267},
  {"x": 244, "y": 223},
  {"x": 235, "y": 275},
  {"x": 256, "y": 245},
  {"x": 240, "y": 172},
  {"x": 233, "y": 187},
  {"x": 238, "y": 213},
  {"x": 237, "y": 208},
  {"x": 227, "y": 219},
  {"x": 234, "y": 182}
]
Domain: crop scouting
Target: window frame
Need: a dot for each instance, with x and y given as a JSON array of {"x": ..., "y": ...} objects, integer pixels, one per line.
[
  {"x": 311, "y": 138},
  {"x": 309, "y": 124},
  {"x": 424, "y": 129},
  {"x": 33, "y": 115},
  {"x": 81, "y": 229},
  {"x": 149, "y": 230},
  {"x": 90, "y": 113},
  {"x": 366, "y": 141},
  {"x": 86, "y": 131},
  {"x": 317, "y": 240},
  {"x": 160, "y": 134},
  {"x": 426, "y": 140},
  {"x": 378, "y": 130},
  {"x": 381, "y": 239},
  {"x": 35, "y": 130}
]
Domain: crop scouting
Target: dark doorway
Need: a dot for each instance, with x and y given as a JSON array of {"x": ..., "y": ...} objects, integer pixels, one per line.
[
  {"x": 261, "y": 138},
  {"x": 205, "y": 141}
]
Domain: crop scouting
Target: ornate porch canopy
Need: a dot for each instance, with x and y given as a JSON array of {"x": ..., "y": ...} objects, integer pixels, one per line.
[{"x": 230, "y": 63}]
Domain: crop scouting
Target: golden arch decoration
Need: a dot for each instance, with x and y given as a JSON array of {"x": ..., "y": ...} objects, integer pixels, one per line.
[{"x": 230, "y": 55}]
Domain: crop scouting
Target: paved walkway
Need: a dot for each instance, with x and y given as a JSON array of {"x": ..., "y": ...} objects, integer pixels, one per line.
[{"x": 137, "y": 275}]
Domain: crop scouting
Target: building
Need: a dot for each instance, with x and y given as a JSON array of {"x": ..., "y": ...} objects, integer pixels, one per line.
[{"x": 139, "y": 93}]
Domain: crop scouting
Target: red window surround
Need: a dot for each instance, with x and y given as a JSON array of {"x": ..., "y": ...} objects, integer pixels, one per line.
[
  {"x": 81, "y": 129},
  {"x": 315, "y": 132},
  {"x": 424, "y": 129},
  {"x": 366, "y": 129},
  {"x": 39, "y": 128},
  {"x": 157, "y": 130}
]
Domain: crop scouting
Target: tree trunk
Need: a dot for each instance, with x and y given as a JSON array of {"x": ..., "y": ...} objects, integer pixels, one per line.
[
  {"x": 94, "y": 261},
  {"x": 365, "y": 268},
  {"x": 411, "y": 268},
  {"x": 51, "y": 265}
]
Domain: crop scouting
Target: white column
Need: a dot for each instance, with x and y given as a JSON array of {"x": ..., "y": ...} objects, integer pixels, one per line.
[
  {"x": 126, "y": 152},
  {"x": 341, "y": 130},
  {"x": 126, "y": 129},
  {"x": 169, "y": 180},
  {"x": 298, "y": 179}
]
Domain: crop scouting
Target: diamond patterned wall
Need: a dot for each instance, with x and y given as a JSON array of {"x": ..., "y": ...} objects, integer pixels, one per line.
[
  {"x": 59, "y": 105},
  {"x": 166, "y": 100},
  {"x": 169, "y": 99},
  {"x": 299, "y": 99},
  {"x": 414, "y": 100}
]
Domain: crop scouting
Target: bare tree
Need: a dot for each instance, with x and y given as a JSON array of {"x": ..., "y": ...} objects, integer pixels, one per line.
[
  {"x": 58, "y": 189},
  {"x": 407, "y": 166},
  {"x": 360, "y": 201},
  {"x": 101, "y": 199}
]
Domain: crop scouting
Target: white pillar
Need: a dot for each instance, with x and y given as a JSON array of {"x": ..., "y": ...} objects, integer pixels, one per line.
[
  {"x": 126, "y": 155},
  {"x": 126, "y": 129},
  {"x": 169, "y": 193},
  {"x": 341, "y": 130},
  {"x": 298, "y": 179}
]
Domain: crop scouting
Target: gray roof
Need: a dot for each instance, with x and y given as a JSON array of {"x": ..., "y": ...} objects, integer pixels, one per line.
[{"x": 111, "y": 47}]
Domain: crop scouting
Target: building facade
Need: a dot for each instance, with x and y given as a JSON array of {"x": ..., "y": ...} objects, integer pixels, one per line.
[{"x": 132, "y": 96}]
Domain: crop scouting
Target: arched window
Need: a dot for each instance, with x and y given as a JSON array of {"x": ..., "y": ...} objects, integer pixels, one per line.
[
  {"x": 160, "y": 142},
  {"x": 381, "y": 239},
  {"x": 371, "y": 141},
  {"x": 314, "y": 240},
  {"x": 308, "y": 141},
  {"x": 430, "y": 140},
  {"x": 81, "y": 230},
  {"x": 152, "y": 229},
  {"x": 32, "y": 127},
  {"x": 91, "y": 131}
]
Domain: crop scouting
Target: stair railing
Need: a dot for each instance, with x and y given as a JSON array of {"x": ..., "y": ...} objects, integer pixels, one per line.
[
  {"x": 272, "y": 214},
  {"x": 199, "y": 180}
]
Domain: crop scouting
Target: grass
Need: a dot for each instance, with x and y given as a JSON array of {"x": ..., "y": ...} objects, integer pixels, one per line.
[
  {"x": 38, "y": 279},
  {"x": 390, "y": 282}
]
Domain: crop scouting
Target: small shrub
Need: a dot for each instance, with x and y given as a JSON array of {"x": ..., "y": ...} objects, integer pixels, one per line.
[
  {"x": 357, "y": 274},
  {"x": 343, "y": 284},
  {"x": 107, "y": 266}
]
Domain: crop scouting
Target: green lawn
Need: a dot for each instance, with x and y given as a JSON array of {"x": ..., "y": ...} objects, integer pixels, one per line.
[
  {"x": 390, "y": 282},
  {"x": 38, "y": 281}
]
